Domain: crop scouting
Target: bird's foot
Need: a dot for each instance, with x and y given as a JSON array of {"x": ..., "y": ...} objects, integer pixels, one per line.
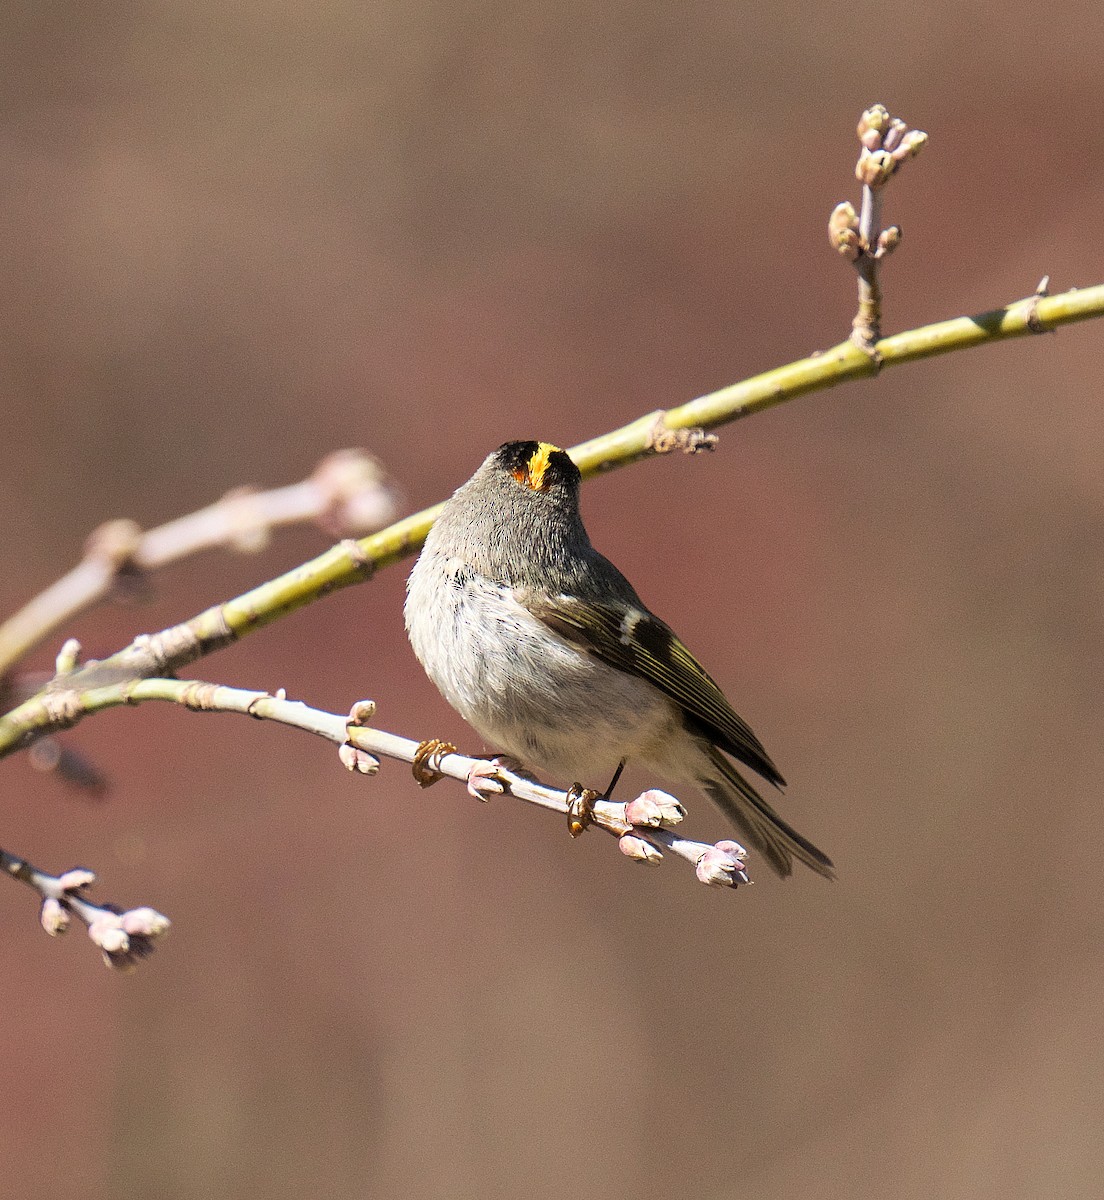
[
  {"x": 580, "y": 808},
  {"x": 426, "y": 767},
  {"x": 483, "y": 778}
]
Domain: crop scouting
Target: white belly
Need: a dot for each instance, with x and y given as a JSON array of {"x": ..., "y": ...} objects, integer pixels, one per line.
[{"x": 530, "y": 693}]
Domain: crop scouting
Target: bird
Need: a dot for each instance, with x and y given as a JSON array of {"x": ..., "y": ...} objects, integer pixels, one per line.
[{"x": 544, "y": 647}]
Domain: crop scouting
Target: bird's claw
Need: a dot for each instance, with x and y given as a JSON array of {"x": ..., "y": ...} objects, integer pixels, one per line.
[
  {"x": 426, "y": 766},
  {"x": 580, "y": 808}
]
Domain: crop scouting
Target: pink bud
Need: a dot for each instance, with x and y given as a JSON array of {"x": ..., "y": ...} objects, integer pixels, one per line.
[
  {"x": 54, "y": 917},
  {"x": 637, "y": 848},
  {"x": 722, "y": 866},
  {"x": 654, "y": 809},
  {"x": 354, "y": 759}
]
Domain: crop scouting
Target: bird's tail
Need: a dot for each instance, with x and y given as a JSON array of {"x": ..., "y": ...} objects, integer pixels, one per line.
[{"x": 759, "y": 825}]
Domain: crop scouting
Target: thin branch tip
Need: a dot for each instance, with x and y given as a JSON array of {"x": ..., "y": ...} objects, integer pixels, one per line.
[
  {"x": 886, "y": 144},
  {"x": 123, "y": 937},
  {"x": 348, "y": 495}
]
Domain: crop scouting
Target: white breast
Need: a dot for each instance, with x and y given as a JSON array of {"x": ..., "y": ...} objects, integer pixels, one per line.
[{"x": 525, "y": 689}]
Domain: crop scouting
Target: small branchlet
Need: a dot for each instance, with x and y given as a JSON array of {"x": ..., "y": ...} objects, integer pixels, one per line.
[
  {"x": 124, "y": 937},
  {"x": 886, "y": 144},
  {"x": 348, "y": 495},
  {"x": 643, "y": 826}
]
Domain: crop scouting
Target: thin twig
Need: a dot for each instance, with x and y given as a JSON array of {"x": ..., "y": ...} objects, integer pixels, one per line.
[
  {"x": 347, "y": 495},
  {"x": 887, "y": 143},
  {"x": 645, "y": 819},
  {"x": 124, "y": 937}
]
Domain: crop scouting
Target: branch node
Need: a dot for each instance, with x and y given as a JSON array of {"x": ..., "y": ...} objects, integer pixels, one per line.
[
  {"x": 68, "y": 657},
  {"x": 354, "y": 493},
  {"x": 1034, "y": 324},
  {"x": 692, "y": 440},
  {"x": 365, "y": 566},
  {"x": 180, "y": 644},
  {"x": 248, "y": 530},
  {"x": 352, "y": 757},
  {"x": 62, "y": 709},
  {"x": 200, "y": 697},
  {"x": 115, "y": 544}
]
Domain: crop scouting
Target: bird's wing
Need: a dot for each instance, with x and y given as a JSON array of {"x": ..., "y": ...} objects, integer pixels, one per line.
[{"x": 637, "y": 642}]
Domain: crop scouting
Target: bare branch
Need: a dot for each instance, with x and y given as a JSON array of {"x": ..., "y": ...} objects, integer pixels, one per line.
[{"x": 347, "y": 495}]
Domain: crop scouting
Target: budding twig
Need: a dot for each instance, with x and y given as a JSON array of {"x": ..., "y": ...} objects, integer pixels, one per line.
[
  {"x": 347, "y": 496},
  {"x": 645, "y": 821},
  {"x": 124, "y": 937},
  {"x": 887, "y": 143}
]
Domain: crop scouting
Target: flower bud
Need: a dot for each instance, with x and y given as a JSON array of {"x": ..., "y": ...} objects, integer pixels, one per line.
[
  {"x": 145, "y": 922},
  {"x": 357, "y": 760},
  {"x": 636, "y": 847},
  {"x": 654, "y": 809},
  {"x": 722, "y": 865},
  {"x": 54, "y": 917},
  {"x": 871, "y": 126},
  {"x": 78, "y": 877},
  {"x": 107, "y": 932},
  {"x": 362, "y": 712},
  {"x": 875, "y": 167},
  {"x": 888, "y": 241},
  {"x": 843, "y": 231},
  {"x": 911, "y": 144}
]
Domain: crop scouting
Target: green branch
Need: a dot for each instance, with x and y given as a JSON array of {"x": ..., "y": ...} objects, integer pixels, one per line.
[{"x": 353, "y": 561}]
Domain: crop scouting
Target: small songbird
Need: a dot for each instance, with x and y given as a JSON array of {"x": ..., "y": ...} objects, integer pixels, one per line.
[{"x": 542, "y": 645}]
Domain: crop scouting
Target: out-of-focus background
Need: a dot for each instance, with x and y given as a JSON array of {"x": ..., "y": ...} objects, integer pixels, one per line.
[{"x": 235, "y": 237}]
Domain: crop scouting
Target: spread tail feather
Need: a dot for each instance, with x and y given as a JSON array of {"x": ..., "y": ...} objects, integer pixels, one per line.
[{"x": 758, "y": 823}]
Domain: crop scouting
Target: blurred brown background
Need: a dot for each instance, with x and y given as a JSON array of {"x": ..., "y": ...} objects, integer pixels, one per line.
[{"x": 238, "y": 236}]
